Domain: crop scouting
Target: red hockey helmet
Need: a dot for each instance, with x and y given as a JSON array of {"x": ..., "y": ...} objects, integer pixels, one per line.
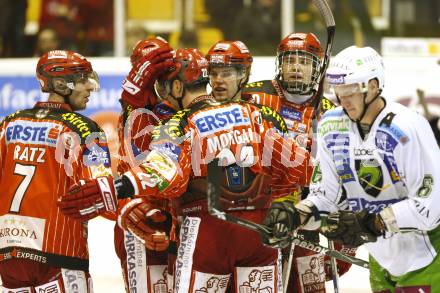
[
  {"x": 234, "y": 54},
  {"x": 143, "y": 47},
  {"x": 191, "y": 67},
  {"x": 66, "y": 65},
  {"x": 295, "y": 49},
  {"x": 227, "y": 53}
]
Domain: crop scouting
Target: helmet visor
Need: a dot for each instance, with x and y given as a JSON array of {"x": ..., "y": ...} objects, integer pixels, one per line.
[
  {"x": 225, "y": 72},
  {"x": 160, "y": 89},
  {"x": 346, "y": 90},
  {"x": 91, "y": 79}
]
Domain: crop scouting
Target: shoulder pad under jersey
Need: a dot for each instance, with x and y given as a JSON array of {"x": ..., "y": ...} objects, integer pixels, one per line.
[
  {"x": 163, "y": 110},
  {"x": 18, "y": 114},
  {"x": 10, "y": 117},
  {"x": 272, "y": 116},
  {"x": 78, "y": 123},
  {"x": 326, "y": 105},
  {"x": 81, "y": 124},
  {"x": 263, "y": 86},
  {"x": 173, "y": 128}
]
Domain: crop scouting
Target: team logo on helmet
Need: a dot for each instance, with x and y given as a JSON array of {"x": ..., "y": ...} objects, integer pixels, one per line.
[
  {"x": 222, "y": 46},
  {"x": 241, "y": 46},
  {"x": 57, "y": 54},
  {"x": 217, "y": 59}
]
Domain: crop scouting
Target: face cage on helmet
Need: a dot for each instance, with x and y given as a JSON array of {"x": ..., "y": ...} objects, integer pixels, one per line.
[{"x": 308, "y": 83}]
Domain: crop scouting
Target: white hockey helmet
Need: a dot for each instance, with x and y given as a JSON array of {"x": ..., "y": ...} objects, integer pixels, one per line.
[{"x": 356, "y": 65}]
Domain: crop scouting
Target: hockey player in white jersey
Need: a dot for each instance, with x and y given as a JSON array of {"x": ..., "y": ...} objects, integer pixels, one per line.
[{"x": 378, "y": 180}]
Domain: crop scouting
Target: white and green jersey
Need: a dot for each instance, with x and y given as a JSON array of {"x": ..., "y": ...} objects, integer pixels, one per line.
[{"x": 396, "y": 165}]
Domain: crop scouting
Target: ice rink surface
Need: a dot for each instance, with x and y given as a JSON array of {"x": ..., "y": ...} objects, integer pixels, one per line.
[{"x": 107, "y": 277}]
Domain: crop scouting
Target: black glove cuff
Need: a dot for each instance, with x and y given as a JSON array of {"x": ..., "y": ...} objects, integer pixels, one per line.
[
  {"x": 315, "y": 213},
  {"x": 124, "y": 188},
  {"x": 375, "y": 224}
]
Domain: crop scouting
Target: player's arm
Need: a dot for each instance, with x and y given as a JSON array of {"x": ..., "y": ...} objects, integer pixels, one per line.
[
  {"x": 325, "y": 197},
  {"x": 138, "y": 86},
  {"x": 135, "y": 127},
  {"x": 138, "y": 98},
  {"x": 93, "y": 192},
  {"x": 164, "y": 173},
  {"x": 418, "y": 158}
]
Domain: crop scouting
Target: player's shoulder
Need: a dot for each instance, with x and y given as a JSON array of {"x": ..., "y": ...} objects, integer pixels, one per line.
[
  {"x": 164, "y": 110},
  {"x": 26, "y": 113},
  {"x": 326, "y": 105},
  {"x": 335, "y": 113},
  {"x": 238, "y": 112},
  {"x": 30, "y": 115},
  {"x": 333, "y": 121},
  {"x": 262, "y": 86},
  {"x": 78, "y": 123},
  {"x": 173, "y": 127},
  {"x": 270, "y": 115},
  {"x": 401, "y": 121},
  {"x": 403, "y": 114}
]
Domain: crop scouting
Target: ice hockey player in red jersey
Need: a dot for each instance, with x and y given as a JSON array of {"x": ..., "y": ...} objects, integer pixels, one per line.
[
  {"x": 229, "y": 69},
  {"x": 293, "y": 93},
  {"x": 176, "y": 169},
  {"x": 241, "y": 134},
  {"x": 43, "y": 151},
  {"x": 143, "y": 264}
]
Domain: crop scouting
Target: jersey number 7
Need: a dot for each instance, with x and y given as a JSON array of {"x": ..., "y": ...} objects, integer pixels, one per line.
[{"x": 27, "y": 171}]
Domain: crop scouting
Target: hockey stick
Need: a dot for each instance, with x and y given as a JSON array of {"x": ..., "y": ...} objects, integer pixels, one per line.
[
  {"x": 422, "y": 101},
  {"x": 334, "y": 267},
  {"x": 214, "y": 208},
  {"x": 327, "y": 15},
  {"x": 288, "y": 267}
]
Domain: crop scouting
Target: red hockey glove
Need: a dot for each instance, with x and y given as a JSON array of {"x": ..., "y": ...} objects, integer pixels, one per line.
[
  {"x": 343, "y": 266},
  {"x": 138, "y": 86},
  {"x": 89, "y": 198},
  {"x": 147, "y": 223}
]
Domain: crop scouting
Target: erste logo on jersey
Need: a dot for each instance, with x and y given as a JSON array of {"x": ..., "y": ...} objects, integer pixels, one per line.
[
  {"x": 43, "y": 133},
  {"x": 220, "y": 119}
]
